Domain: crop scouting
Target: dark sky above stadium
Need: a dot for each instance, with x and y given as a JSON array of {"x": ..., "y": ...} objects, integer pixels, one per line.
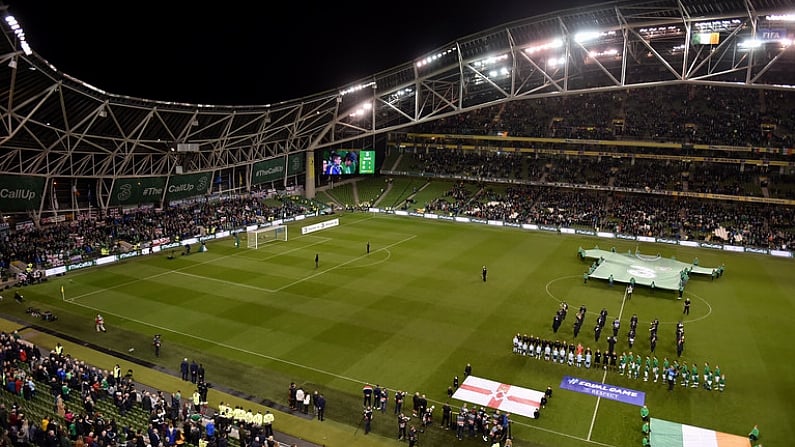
[{"x": 252, "y": 52}]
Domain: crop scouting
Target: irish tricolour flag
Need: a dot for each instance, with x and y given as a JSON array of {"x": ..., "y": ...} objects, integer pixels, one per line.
[{"x": 672, "y": 434}]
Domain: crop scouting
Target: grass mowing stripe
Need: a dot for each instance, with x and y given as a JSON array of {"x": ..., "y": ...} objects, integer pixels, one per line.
[{"x": 165, "y": 329}]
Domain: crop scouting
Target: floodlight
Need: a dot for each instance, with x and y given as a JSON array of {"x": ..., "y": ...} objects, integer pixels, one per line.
[
  {"x": 781, "y": 18},
  {"x": 750, "y": 43},
  {"x": 585, "y": 36}
]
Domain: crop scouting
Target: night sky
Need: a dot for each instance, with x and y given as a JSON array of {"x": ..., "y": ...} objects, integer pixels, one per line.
[{"x": 248, "y": 53}]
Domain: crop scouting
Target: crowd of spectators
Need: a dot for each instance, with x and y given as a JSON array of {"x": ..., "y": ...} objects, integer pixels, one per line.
[
  {"x": 738, "y": 223},
  {"x": 77, "y": 240},
  {"x": 76, "y": 417},
  {"x": 643, "y": 174},
  {"x": 694, "y": 114}
]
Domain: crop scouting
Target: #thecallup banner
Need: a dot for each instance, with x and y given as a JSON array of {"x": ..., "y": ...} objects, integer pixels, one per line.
[
  {"x": 607, "y": 391},
  {"x": 509, "y": 398},
  {"x": 20, "y": 192}
]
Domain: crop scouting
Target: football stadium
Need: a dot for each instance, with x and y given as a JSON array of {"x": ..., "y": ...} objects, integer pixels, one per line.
[{"x": 572, "y": 230}]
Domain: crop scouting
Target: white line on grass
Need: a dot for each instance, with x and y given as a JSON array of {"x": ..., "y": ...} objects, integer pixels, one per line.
[
  {"x": 703, "y": 317},
  {"x": 596, "y": 408},
  {"x": 223, "y": 281},
  {"x": 179, "y": 270},
  {"x": 623, "y": 302},
  {"x": 604, "y": 375},
  {"x": 380, "y": 261},
  {"x": 557, "y": 433},
  {"x": 133, "y": 281},
  {"x": 276, "y": 255},
  {"x": 343, "y": 264},
  {"x": 263, "y": 289}
]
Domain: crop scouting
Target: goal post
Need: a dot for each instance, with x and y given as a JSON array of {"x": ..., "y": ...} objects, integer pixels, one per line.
[{"x": 261, "y": 236}]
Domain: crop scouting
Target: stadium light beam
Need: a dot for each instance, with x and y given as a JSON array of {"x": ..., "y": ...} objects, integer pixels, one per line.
[
  {"x": 750, "y": 44},
  {"x": 586, "y": 36}
]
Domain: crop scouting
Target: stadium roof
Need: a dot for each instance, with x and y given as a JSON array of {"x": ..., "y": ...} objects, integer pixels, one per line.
[{"x": 54, "y": 124}]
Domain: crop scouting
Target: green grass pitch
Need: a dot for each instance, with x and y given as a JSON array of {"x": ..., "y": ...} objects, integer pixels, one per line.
[{"x": 410, "y": 314}]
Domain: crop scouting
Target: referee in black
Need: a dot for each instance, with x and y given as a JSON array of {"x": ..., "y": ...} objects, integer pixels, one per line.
[{"x": 483, "y": 273}]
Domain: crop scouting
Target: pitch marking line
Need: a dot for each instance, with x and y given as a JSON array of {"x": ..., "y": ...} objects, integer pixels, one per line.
[
  {"x": 564, "y": 435},
  {"x": 380, "y": 261},
  {"x": 179, "y": 270},
  {"x": 703, "y": 317},
  {"x": 263, "y": 289},
  {"x": 596, "y": 408},
  {"x": 386, "y": 248},
  {"x": 222, "y": 281}
]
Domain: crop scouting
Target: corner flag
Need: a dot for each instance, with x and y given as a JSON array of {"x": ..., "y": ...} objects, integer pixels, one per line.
[{"x": 63, "y": 297}]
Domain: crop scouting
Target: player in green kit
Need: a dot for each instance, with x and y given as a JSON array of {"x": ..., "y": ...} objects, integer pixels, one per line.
[
  {"x": 638, "y": 365},
  {"x": 685, "y": 371},
  {"x": 716, "y": 381},
  {"x": 694, "y": 376},
  {"x": 707, "y": 376},
  {"x": 655, "y": 368}
]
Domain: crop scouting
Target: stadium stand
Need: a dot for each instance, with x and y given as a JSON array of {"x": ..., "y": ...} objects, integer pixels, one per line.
[{"x": 80, "y": 401}]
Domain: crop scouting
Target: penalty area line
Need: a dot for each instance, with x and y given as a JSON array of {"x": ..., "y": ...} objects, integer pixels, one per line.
[{"x": 180, "y": 270}]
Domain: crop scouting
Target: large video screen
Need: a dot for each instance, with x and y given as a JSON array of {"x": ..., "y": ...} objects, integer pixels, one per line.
[{"x": 347, "y": 162}]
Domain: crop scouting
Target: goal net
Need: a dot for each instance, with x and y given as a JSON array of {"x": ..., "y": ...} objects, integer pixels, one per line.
[{"x": 261, "y": 236}]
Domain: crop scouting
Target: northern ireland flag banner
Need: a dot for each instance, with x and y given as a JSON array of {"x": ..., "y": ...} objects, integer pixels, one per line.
[
  {"x": 508, "y": 398},
  {"x": 672, "y": 434}
]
